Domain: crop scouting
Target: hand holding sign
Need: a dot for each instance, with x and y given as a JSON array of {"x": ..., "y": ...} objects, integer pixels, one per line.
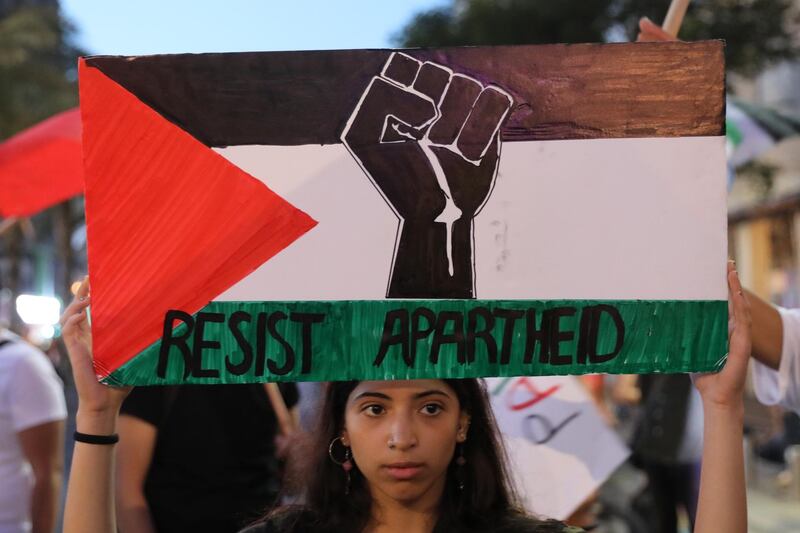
[
  {"x": 725, "y": 388},
  {"x": 99, "y": 403},
  {"x": 650, "y": 31},
  {"x": 429, "y": 140}
]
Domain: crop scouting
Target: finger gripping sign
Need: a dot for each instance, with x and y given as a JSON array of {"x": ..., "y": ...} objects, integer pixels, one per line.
[{"x": 368, "y": 214}]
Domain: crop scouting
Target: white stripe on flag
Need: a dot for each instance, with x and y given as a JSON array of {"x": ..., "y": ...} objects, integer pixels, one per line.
[{"x": 578, "y": 219}]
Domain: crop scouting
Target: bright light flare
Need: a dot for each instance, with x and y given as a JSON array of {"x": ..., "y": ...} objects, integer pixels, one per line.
[
  {"x": 40, "y": 335},
  {"x": 38, "y": 310}
]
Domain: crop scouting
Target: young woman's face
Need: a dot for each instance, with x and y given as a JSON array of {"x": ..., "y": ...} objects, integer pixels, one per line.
[{"x": 403, "y": 436}]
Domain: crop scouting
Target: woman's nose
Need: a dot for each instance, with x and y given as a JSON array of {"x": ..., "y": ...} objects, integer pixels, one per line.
[{"x": 402, "y": 435}]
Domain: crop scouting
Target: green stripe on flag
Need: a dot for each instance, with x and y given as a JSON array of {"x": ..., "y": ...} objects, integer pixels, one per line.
[{"x": 243, "y": 342}]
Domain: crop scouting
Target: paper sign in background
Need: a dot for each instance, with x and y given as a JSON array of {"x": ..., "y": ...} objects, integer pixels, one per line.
[{"x": 553, "y": 432}]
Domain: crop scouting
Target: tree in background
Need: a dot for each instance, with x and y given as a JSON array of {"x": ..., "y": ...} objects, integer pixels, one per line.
[
  {"x": 757, "y": 32},
  {"x": 37, "y": 65}
]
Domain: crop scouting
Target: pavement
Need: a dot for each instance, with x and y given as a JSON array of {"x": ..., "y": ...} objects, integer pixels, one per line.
[{"x": 773, "y": 501}]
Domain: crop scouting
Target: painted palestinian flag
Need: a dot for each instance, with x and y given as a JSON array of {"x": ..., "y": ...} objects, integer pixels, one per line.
[
  {"x": 752, "y": 130},
  {"x": 368, "y": 214}
]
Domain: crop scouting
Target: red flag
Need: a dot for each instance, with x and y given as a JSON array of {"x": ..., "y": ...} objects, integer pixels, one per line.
[{"x": 41, "y": 166}]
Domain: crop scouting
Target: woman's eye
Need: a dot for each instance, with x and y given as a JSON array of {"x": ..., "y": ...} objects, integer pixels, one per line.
[
  {"x": 374, "y": 409},
  {"x": 431, "y": 409}
]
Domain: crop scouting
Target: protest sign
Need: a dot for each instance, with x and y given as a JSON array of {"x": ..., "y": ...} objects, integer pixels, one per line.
[
  {"x": 367, "y": 214},
  {"x": 553, "y": 432}
]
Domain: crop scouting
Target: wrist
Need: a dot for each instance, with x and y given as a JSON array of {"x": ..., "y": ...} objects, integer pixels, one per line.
[
  {"x": 733, "y": 409},
  {"x": 428, "y": 264},
  {"x": 96, "y": 422}
]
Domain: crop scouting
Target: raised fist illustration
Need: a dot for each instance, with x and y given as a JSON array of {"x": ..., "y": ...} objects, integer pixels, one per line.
[{"x": 429, "y": 139}]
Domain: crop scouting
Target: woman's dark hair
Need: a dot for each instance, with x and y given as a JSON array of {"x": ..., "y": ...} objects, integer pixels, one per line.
[{"x": 487, "y": 502}]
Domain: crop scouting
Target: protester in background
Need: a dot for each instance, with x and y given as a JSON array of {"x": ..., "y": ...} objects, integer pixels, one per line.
[
  {"x": 400, "y": 456},
  {"x": 776, "y": 349},
  {"x": 667, "y": 445},
  {"x": 199, "y": 458},
  {"x": 32, "y": 413}
]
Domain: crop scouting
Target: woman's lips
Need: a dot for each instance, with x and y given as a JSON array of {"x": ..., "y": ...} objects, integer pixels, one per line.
[{"x": 403, "y": 471}]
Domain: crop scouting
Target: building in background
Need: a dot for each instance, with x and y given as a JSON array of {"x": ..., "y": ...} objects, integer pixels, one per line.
[{"x": 764, "y": 201}]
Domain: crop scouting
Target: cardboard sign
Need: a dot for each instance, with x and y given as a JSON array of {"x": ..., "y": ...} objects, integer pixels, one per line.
[
  {"x": 367, "y": 214},
  {"x": 553, "y": 432}
]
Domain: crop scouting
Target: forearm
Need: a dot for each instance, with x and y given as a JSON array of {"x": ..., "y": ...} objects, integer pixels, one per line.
[
  {"x": 90, "y": 493},
  {"x": 135, "y": 518},
  {"x": 767, "y": 331},
  {"x": 723, "y": 500},
  {"x": 44, "y": 502},
  {"x": 134, "y": 457}
]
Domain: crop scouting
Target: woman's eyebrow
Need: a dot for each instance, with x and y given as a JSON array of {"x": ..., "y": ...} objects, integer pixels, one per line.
[
  {"x": 368, "y": 394},
  {"x": 432, "y": 392}
]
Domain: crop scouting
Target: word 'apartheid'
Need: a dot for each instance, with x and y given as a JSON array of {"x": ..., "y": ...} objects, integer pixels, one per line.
[{"x": 280, "y": 343}]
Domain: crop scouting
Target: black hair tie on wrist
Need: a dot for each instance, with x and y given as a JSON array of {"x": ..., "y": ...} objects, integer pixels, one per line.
[{"x": 96, "y": 439}]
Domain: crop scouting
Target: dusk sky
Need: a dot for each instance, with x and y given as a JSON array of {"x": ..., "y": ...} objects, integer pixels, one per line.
[{"x": 153, "y": 27}]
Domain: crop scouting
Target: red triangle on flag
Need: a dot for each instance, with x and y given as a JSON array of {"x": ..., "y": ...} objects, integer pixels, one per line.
[{"x": 171, "y": 224}]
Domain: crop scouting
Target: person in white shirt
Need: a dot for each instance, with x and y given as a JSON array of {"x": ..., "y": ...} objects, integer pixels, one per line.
[
  {"x": 776, "y": 350},
  {"x": 32, "y": 414}
]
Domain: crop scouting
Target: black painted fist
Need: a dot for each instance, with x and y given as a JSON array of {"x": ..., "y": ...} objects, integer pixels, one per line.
[{"x": 429, "y": 140}]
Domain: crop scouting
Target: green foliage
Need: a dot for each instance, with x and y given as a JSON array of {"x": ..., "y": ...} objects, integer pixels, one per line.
[
  {"x": 487, "y": 22},
  {"x": 757, "y": 31},
  {"x": 37, "y": 67}
]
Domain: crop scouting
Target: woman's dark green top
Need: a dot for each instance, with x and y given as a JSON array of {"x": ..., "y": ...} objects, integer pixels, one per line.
[{"x": 304, "y": 522}]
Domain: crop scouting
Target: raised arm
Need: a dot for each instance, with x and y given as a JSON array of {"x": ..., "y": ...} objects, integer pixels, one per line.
[
  {"x": 90, "y": 494},
  {"x": 723, "y": 501},
  {"x": 767, "y": 331}
]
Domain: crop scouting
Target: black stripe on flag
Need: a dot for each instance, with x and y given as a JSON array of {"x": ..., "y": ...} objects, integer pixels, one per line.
[{"x": 580, "y": 91}]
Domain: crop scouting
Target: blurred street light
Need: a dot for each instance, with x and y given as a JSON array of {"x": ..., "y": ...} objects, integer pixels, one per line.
[{"x": 38, "y": 310}]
